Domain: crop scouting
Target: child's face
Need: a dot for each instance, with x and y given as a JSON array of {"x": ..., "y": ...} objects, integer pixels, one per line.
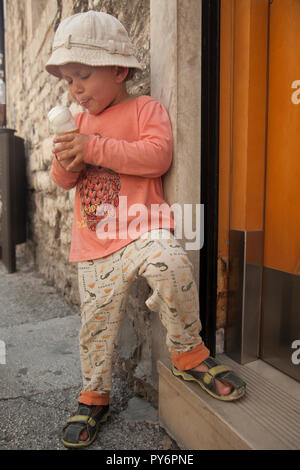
[{"x": 94, "y": 88}]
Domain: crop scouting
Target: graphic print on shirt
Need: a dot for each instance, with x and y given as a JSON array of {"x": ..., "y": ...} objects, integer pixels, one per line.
[{"x": 98, "y": 187}]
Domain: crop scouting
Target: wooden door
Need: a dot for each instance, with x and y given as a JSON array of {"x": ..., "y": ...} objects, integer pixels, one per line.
[{"x": 280, "y": 333}]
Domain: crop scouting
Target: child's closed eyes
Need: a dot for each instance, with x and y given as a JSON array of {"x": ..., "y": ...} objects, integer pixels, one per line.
[{"x": 70, "y": 81}]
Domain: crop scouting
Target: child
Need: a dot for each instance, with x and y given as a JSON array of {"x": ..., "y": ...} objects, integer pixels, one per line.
[{"x": 123, "y": 148}]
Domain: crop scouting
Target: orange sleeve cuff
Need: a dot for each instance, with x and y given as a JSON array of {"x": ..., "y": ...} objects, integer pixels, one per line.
[
  {"x": 94, "y": 398},
  {"x": 189, "y": 359}
]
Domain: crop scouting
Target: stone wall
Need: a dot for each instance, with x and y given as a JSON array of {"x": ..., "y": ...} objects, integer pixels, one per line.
[{"x": 31, "y": 93}]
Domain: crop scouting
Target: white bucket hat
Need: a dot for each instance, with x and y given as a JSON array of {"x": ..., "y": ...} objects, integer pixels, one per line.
[{"x": 91, "y": 38}]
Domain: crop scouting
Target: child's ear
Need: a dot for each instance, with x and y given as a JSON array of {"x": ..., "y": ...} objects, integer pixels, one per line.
[{"x": 120, "y": 73}]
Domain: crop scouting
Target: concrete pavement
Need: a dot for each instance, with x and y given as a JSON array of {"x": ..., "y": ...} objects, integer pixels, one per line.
[{"x": 40, "y": 379}]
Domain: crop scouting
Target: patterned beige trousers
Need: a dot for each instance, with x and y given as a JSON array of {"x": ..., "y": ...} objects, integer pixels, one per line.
[{"x": 104, "y": 286}]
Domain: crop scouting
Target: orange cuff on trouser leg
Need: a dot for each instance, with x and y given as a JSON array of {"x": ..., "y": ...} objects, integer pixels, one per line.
[
  {"x": 189, "y": 359},
  {"x": 94, "y": 398}
]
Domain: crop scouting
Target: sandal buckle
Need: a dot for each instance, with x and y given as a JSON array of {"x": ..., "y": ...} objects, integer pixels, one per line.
[{"x": 91, "y": 422}]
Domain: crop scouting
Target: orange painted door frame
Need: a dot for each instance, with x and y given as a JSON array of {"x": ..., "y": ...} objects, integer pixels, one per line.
[
  {"x": 259, "y": 173},
  {"x": 243, "y": 95},
  {"x": 280, "y": 325},
  {"x": 282, "y": 201}
]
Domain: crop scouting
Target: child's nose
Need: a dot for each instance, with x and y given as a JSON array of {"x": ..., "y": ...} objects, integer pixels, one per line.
[{"x": 78, "y": 87}]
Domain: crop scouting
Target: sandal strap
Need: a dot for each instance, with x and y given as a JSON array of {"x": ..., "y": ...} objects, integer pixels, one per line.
[
  {"x": 234, "y": 380},
  {"x": 72, "y": 433},
  {"x": 84, "y": 409},
  {"x": 217, "y": 371},
  {"x": 210, "y": 362},
  {"x": 83, "y": 419},
  {"x": 214, "y": 372}
]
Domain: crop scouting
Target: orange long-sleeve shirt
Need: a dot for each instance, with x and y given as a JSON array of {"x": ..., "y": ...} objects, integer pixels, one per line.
[{"x": 119, "y": 195}]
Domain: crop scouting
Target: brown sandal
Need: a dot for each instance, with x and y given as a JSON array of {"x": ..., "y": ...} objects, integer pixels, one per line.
[
  {"x": 83, "y": 420},
  {"x": 207, "y": 379}
]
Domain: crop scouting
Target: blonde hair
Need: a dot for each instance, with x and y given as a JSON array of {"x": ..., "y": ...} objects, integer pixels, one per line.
[{"x": 130, "y": 75}]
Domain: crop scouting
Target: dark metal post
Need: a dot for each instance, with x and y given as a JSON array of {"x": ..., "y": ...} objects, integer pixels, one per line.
[{"x": 210, "y": 168}]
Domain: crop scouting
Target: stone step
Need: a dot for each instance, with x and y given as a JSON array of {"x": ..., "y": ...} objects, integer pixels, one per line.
[{"x": 266, "y": 418}]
